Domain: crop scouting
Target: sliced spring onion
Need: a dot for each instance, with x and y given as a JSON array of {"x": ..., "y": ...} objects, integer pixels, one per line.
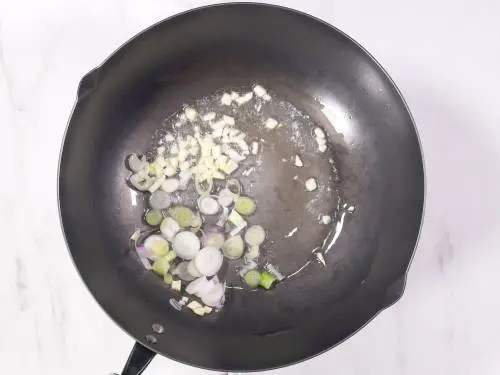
[
  {"x": 153, "y": 217},
  {"x": 197, "y": 285},
  {"x": 160, "y": 200},
  {"x": 255, "y": 235},
  {"x": 168, "y": 279},
  {"x": 176, "y": 285},
  {"x": 193, "y": 270},
  {"x": 252, "y": 278},
  {"x": 215, "y": 297},
  {"x": 197, "y": 221},
  {"x": 213, "y": 239},
  {"x": 252, "y": 253},
  {"x": 208, "y": 261},
  {"x": 182, "y": 273},
  {"x": 235, "y": 218},
  {"x": 234, "y": 186},
  {"x": 135, "y": 236},
  {"x": 238, "y": 229},
  {"x": 157, "y": 184},
  {"x": 170, "y": 185},
  {"x": 157, "y": 245},
  {"x": 170, "y": 256},
  {"x": 221, "y": 221},
  {"x": 245, "y": 206},
  {"x": 226, "y": 198},
  {"x": 182, "y": 215},
  {"x": 161, "y": 266},
  {"x": 233, "y": 247},
  {"x": 141, "y": 181},
  {"x": 169, "y": 228},
  {"x": 207, "y": 309},
  {"x": 274, "y": 271},
  {"x": 204, "y": 187},
  {"x": 208, "y": 205},
  {"x": 136, "y": 164},
  {"x": 186, "y": 245},
  {"x": 267, "y": 280}
]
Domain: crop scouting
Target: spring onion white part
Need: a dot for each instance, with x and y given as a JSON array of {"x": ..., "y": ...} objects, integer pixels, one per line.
[
  {"x": 233, "y": 247},
  {"x": 245, "y": 206},
  {"x": 255, "y": 235},
  {"x": 160, "y": 200},
  {"x": 161, "y": 266},
  {"x": 267, "y": 280},
  {"x": 226, "y": 198},
  {"x": 208, "y": 261},
  {"x": 252, "y": 253},
  {"x": 170, "y": 185},
  {"x": 235, "y": 218},
  {"x": 182, "y": 215},
  {"x": 186, "y": 245},
  {"x": 136, "y": 164},
  {"x": 193, "y": 270},
  {"x": 169, "y": 228},
  {"x": 157, "y": 245},
  {"x": 326, "y": 219},
  {"x": 252, "y": 278},
  {"x": 182, "y": 272},
  {"x": 176, "y": 285},
  {"x": 259, "y": 91},
  {"x": 271, "y": 123},
  {"x": 213, "y": 239},
  {"x": 153, "y": 217},
  {"x": 215, "y": 297},
  {"x": 274, "y": 271},
  {"x": 198, "y": 285},
  {"x": 141, "y": 181},
  {"x": 311, "y": 184},
  {"x": 208, "y": 205}
]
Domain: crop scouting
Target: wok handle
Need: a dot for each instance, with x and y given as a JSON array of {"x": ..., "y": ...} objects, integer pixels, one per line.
[{"x": 140, "y": 357}]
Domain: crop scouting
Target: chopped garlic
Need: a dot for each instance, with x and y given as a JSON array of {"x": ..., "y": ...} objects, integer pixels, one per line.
[
  {"x": 182, "y": 155},
  {"x": 191, "y": 114},
  {"x": 207, "y": 309},
  {"x": 234, "y": 95},
  {"x": 184, "y": 300},
  {"x": 169, "y": 137},
  {"x": 199, "y": 311},
  {"x": 174, "y": 162},
  {"x": 210, "y": 116},
  {"x": 176, "y": 285},
  {"x": 326, "y": 219},
  {"x": 319, "y": 133},
  {"x": 218, "y": 175},
  {"x": 226, "y": 99},
  {"x": 229, "y": 167},
  {"x": 169, "y": 171},
  {"x": 184, "y": 165},
  {"x": 174, "y": 150},
  {"x": 228, "y": 120},
  {"x": 298, "y": 161},
  {"x": 271, "y": 123},
  {"x": 135, "y": 236},
  {"x": 311, "y": 184},
  {"x": 216, "y": 152},
  {"x": 322, "y": 148},
  {"x": 245, "y": 98},
  {"x": 259, "y": 91},
  {"x": 255, "y": 148},
  {"x": 267, "y": 98},
  {"x": 160, "y": 150}
]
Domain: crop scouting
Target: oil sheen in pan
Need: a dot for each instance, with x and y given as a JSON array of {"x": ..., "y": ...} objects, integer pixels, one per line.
[{"x": 290, "y": 214}]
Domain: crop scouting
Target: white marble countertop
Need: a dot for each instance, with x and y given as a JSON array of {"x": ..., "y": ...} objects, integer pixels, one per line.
[{"x": 445, "y": 57}]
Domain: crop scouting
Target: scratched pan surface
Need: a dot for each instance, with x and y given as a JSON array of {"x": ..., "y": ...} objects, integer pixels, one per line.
[{"x": 318, "y": 77}]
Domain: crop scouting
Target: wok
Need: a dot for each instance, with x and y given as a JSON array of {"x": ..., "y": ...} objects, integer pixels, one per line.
[{"x": 377, "y": 169}]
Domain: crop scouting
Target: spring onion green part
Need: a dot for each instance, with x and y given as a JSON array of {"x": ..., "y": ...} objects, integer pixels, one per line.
[
  {"x": 168, "y": 278},
  {"x": 160, "y": 200},
  {"x": 233, "y": 247},
  {"x": 255, "y": 235},
  {"x": 170, "y": 256},
  {"x": 182, "y": 215},
  {"x": 267, "y": 280},
  {"x": 161, "y": 266},
  {"x": 235, "y": 218},
  {"x": 245, "y": 206},
  {"x": 153, "y": 217},
  {"x": 252, "y": 278},
  {"x": 169, "y": 228}
]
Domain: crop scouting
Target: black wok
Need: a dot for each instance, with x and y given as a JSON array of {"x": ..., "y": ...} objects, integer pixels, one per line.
[{"x": 378, "y": 170}]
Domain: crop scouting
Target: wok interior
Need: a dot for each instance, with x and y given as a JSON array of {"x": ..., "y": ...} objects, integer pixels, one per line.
[{"x": 378, "y": 170}]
